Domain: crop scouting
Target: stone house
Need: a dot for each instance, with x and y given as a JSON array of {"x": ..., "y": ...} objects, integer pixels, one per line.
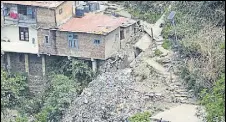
[
  {"x": 25, "y": 26},
  {"x": 95, "y": 36},
  {"x": 33, "y": 31}
]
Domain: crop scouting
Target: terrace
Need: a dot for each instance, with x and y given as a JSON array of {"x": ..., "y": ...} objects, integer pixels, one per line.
[{"x": 17, "y": 14}]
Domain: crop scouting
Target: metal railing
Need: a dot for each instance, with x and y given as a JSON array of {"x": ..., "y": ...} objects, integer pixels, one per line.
[{"x": 20, "y": 19}]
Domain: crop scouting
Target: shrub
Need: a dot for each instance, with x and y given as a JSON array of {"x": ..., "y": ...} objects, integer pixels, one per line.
[
  {"x": 21, "y": 119},
  {"x": 140, "y": 117},
  {"x": 158, "y": 52},
  {"x": 214, "y": 101},
  {"x": 13, "y": 89},
  {"x": 166, "y": 44}
]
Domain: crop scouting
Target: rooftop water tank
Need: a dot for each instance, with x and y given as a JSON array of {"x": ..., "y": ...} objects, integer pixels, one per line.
[
  {"x": 92, "y": 6},
  {"x": 79, "y": 11},
  {"x": 86, "y": 8}
]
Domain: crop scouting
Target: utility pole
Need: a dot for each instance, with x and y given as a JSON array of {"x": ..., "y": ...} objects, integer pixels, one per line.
[{"x": 171, "y": 18}]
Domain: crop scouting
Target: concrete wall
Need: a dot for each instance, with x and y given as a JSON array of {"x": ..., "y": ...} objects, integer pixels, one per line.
[
  {"x": 87, "y": 48},
  {"x": 47, "y": 48},
  {"x": 45, "y": 18},
  {"x": 66, "y": 12},
  {"x": 15, "y": 45},
  {"x": 128, "y": 31},
  {"x": 112, "y": 43}
]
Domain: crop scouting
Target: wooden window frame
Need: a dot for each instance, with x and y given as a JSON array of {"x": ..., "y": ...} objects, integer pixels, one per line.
[
  {"x": 73, "y": 41},
  {"x": 23, "y": 31},
  {"x": 47, "y": 38},
  {"x": 96, "y": 41}
]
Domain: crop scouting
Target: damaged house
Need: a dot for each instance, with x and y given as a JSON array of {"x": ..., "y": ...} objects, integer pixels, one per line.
[{"x": 33, "y": 32}]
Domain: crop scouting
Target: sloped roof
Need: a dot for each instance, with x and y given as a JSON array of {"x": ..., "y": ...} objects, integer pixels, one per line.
[
  {"x": 46, "y": 4},
  {"x": 93, "y": 23}
]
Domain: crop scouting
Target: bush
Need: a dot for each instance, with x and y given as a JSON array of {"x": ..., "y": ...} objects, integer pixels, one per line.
[
  {"x": 158, "y": 52},
  {"x": 166, "y": 44},
  {"x": 214, "y": 101},
  {"x": 140, "y": 117},
  {"x": 60, "y": 95},
  {"x": 13, "y": 90},
  {"x": 22, "y": 119}
]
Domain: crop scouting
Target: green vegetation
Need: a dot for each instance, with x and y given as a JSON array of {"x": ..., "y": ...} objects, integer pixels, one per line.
[
  {"x": 214, "y": 101},
  {"x": 66, "y": 81},
  {"x": 166, "y": 44},
  {"x": 157, "y": 52},
  {"x": 13, "y": 90},
  {"x": 60, "y": 94},
  {"x": 140, "y": 117},
  {"x": 200, "y": 28}
]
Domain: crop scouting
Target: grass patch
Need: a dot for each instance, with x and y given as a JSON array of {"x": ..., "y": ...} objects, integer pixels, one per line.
[
  {"x": 140, "y": 117},
  {"x": 166, "y": 44},
  {"x": 157, "y": 52}
]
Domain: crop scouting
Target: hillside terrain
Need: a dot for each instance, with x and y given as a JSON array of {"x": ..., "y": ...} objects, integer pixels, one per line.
[{"x": 176, "y": 68}]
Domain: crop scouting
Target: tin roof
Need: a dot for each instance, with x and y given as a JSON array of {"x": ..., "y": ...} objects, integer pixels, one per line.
[
  {"x": 93, "y": 23},
  {"x": 47, "y": 4}
]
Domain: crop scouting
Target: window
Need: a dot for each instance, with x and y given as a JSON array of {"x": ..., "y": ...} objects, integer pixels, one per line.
[
  {"x": 121, "y": 34},
  {"x": 22, "y": 9},
  {"x": 23, "y": 34},
  {"x": 96, "y": 41},
  {"x": 47, "y": 39},
  {"x": 73, "y": 40},
  {"x": 60, "y": 11},
  {"x": 72, "y": 43}
]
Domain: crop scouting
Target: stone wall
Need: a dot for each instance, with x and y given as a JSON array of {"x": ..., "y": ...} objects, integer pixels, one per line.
[
  {"x": 45, "y": 18},
  {"x": 35, "y": 65},
  {"x": 50, "y": 47},
  {"x": 86, "y": 46},
  {"x": 17, "y": 62},
  {"x": 128, "y": 31},
  {"x": 3, "y": 61}
]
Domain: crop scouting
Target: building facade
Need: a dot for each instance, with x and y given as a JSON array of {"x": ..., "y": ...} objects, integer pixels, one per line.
[{"x": 35, "y": 31}]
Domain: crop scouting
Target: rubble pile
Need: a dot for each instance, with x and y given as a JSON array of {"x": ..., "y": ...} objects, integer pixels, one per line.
[
  {"x": 114, "y": 96},
  {"x": 108, "y": 98},
  {"x": 128, "y": 85}
]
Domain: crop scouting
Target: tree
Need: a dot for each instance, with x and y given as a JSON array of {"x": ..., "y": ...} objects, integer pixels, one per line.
[
  {"x": 13, "y": 89},
  {"x": 60, "y": 95}
]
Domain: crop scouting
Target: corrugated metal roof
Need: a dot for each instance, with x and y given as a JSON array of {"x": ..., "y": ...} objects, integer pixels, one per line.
[
  {"x": 93, "y": 23},
  {"x": 47, "y": 4}
]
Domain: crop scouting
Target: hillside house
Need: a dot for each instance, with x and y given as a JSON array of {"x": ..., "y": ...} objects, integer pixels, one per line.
[
  {"x": 28, "y": 20},
  {"x": 94, "y": 36},
  {"x": 33, "y": 29},
  {"x": 24, "y": 27}
]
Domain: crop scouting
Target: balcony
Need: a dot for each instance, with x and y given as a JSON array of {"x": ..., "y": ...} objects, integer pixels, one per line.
[
  {"x": 18, "y": 14},
  {"x": 20, "y": 19}
]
